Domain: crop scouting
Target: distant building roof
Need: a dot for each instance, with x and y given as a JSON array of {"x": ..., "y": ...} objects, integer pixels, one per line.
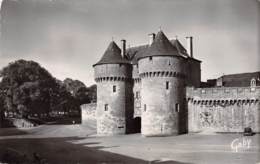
[
  {"x": 234, "y": 80},
  {"x": 112, "y": 55},
  {"x": 239, "y": 80}
]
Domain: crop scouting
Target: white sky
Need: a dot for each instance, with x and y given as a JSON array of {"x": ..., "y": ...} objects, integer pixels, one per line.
[{"x": 68, "y": 37}]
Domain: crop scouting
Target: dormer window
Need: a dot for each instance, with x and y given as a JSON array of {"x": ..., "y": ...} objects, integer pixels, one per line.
[{"x": 253, "y": 82}]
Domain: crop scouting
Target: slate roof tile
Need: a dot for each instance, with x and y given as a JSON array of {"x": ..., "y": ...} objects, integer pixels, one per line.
[{"x": 112, "y": 55}]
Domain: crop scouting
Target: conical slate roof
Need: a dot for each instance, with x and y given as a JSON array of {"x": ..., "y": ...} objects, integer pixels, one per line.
[
  {"x": 176, "y": 43},
  {"x": 112, "y": 55},
  {"x": 161, "y": 46}
]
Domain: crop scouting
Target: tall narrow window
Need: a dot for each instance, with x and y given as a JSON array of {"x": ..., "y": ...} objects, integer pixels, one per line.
[
  {"x": 114, "y": 88},
  {"x": 137, "y": 94},
  {"x": 150, "y": 58},
  {"x": 144, "y": 107},
  {"x": 106, "y": 107},
  {"x": 167, "y": 85},
  {"x": 177, "y": 107}
]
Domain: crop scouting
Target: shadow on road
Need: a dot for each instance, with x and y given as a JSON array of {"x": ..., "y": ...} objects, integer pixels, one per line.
[
  {"x": 62, "y": 150},
  {"x": 11, "y": 132}
]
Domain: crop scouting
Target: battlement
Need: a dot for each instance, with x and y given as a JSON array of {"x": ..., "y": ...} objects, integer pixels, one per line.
[{"x": 223, "y": 93}]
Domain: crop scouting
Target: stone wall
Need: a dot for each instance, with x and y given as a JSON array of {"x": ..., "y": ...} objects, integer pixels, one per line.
[
  {"x": 137, "y": 97},
  {"x": 113, "y": 70},
  {"x": 136, "y": 91},
  {"x": 111, "y": 120},
  {"x": 225, "y": 109},
  {"x": 22, "y": 123},
  {"x": 88, "y": 112},
  {"x": 135, "y": 72},
  {"x": 160, "y": 116},
  {"x": 113, "y": 83},
  {"x": 193, "y": 72}
]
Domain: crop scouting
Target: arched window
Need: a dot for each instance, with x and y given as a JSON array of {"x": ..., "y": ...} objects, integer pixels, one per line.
[{"x": 253, "y": 82}]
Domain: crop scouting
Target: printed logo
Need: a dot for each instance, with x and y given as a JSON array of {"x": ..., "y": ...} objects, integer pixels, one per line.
[{"x": 241, "y": 144}]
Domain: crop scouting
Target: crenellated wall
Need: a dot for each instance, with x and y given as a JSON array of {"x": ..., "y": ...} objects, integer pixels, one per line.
[{"x": 223, "y": 109}]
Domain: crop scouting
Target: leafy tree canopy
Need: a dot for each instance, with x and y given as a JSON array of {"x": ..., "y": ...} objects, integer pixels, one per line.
[{"x": 28, "y": 88}]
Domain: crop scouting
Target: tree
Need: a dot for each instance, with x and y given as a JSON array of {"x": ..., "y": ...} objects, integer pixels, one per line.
[
  {"x": 31, "y": 90},
  {"x": 80, "y": 92},
  {"x": 82, "y": 95},
  {"x": 92, "y": 92},
  {"x": 2, "y": 95},
  {"x": 27, "y": 85}
]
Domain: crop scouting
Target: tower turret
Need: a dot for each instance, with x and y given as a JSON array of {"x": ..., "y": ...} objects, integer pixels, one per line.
[
  {"x": 112, "y": 75},
  {"x": 162, "y": 72}
]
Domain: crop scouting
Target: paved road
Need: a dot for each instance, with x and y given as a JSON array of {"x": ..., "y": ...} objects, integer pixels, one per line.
[{"x": 78, "y": 144}]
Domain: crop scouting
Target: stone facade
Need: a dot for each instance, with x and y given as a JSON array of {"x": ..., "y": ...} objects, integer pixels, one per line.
[
  {"x": 225, "y": 109},
  {"x": 155, "y": 89},
  {"x": 88, "y": 112},
  {"x": 111, "y": 98},
  {"x": 162, "y": 92}
]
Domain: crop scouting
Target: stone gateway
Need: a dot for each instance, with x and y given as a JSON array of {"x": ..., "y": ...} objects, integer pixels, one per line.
[{"x": 157, "y": 89}]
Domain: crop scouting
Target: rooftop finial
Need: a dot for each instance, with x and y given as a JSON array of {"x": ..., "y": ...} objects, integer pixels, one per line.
[
  {"x": 160, "y": 28},
  {"x": 176, "y": 37},
  {"x": 112, "y": 38}
]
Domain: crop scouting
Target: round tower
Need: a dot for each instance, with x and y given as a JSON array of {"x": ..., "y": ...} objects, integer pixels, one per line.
[
  {"x": 112, "y": 74},
  {"x": 162, "y": 72}
]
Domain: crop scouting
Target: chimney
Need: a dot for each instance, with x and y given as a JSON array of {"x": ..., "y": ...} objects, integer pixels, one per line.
[
  {"x": 190, "y": 46},
  {"x": 151, "y": 38},
  {"x": 123, "y": 47}
]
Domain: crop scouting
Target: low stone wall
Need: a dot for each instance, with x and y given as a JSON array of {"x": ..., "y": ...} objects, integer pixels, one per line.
[
  {"x": 88, "y": 112},
  {"x": 22, "y": 123}
]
